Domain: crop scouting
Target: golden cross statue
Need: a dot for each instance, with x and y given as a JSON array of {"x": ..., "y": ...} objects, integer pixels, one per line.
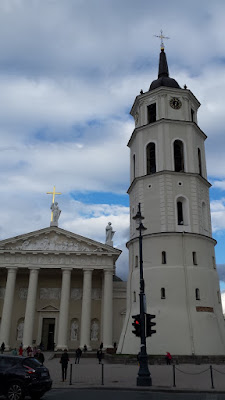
[
  {"x": 161, "y": 36},
  {"x": 53, "y": 199}
]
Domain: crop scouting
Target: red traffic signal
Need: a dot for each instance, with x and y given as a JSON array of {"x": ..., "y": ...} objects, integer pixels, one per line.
[{"x": 137, "y": 325}]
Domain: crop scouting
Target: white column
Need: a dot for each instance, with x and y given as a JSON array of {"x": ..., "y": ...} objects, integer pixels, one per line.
[
  {"x": 107, "y": 308},
  {"x": 86, "y": 309},
  {"x": 30, "y": 308},
  {"x": 64, "y": 309},
  {"x": 7, "y": 307}
]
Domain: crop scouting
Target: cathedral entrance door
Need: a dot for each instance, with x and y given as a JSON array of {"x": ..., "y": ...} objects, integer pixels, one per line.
[{"x": 48, "y": 331}]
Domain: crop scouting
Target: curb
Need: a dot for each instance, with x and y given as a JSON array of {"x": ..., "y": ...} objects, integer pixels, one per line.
[{"x": 138, "y": 389}]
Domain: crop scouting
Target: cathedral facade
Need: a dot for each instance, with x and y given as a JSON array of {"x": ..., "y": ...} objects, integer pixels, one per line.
[{"x": 59, "y": 289}]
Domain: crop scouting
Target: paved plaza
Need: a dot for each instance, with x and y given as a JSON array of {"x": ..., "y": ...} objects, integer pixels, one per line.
[{"x": 88, "y": 374}]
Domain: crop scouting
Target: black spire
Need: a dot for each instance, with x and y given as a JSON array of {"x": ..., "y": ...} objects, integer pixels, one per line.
[
  {"x": 163, "y": 66},
  {"x": 163, "y": 75}
]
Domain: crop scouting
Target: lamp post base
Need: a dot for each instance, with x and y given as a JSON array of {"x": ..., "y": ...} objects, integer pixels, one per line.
[
  {"x": 144, "y": 381},
  {"x": 144, "y": 376}
]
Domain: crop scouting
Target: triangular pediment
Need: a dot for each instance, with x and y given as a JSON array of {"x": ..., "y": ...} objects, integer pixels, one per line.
[
  {"x": 48, "y": 308},
  {"x": 54, "y": 239}
]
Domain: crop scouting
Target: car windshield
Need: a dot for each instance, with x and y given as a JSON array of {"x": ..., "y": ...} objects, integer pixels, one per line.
[{"x": 32, "y": 362}]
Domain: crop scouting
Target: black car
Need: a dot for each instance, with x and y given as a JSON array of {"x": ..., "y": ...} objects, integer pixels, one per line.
[{"x": 21, "y": 376}]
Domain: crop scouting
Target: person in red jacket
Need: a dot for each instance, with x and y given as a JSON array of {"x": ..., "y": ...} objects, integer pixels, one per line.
[{"x": 168, "y": 358}]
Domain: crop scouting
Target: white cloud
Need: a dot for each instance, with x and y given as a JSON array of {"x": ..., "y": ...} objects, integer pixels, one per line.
[
  {"x": 69, "y": 73},
  {"x": 218, "y": 214}
]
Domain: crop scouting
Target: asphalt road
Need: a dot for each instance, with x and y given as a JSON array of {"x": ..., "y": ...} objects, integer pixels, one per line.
[{"x": 92, "y": 394}]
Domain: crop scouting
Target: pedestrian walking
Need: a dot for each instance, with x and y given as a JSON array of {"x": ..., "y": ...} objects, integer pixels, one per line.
[
  {"x": 101, "y": 346},
  {"x": 21, "y": 350},
  {"x": 14, "y": 352},
  {"x": 40, "y": 356},
  {"x": 168, "y": 358},
  {"x": 114, "y": 347},
  {"x": 78, "y": 355},
  {"x": 2, "y": 347},
  {"x": 99, "y": 355},
  {"x": 85, "y": 348},
  {"x": 64, "y": 363}
]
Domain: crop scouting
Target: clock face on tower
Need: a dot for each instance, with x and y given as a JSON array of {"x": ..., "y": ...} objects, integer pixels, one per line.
[{"x": 175, "y": 103}]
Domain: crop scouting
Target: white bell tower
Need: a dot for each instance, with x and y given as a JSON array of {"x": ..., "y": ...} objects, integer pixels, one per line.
[{"x": 169, "y": 179}]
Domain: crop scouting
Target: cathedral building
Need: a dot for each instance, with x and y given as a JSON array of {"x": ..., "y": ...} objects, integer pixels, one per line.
[
  {"x": 168, "y": 178},
  {"x": 60, "y": 290}
]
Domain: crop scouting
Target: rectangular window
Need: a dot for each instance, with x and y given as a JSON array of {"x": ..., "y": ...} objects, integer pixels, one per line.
[
  {"x": 152, "y": 113},
  {"x": 163, "y": 257},
  {"x": 197, "y": 294},
  {"x": 163, "y": 293},
  {"x": 213, "y": 262},
  {"x": 194, "y": 257},
  {"x": 192, "y": 115}
]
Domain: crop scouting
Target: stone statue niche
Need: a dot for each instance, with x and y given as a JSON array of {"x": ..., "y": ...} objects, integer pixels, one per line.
[
  {"x": 94, "y": 330},
  {"x": 20, "y": 326},
  {"x": 74, "y": 330}
]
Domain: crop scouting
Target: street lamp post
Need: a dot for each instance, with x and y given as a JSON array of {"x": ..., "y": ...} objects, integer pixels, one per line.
[{"x": 144, "y": 376}]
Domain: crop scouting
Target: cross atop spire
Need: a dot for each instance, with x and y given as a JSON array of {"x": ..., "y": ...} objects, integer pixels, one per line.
[{"x": 161, "y": 36}]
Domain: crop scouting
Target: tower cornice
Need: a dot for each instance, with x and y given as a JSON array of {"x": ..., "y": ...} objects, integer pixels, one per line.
[
  {"x": 165, "y": 120},
  {"x": 163, "y": 90},
  {"x": 173, "y": 233},
  {"x": 168, "y": 172}
]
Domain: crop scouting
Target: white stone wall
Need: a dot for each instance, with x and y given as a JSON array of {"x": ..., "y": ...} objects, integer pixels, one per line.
[{"x": 185, "y": 324}]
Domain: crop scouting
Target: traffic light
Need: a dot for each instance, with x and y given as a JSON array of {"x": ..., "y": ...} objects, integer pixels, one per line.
[
  {"x": 149, "y": 324},
  {"x": 137, "y": 325}
]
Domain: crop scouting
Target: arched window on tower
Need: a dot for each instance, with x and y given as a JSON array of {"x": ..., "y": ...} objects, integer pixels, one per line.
[
  {"x": 182, "y": 214},
  {"x": 178, "y": 149},
  {"x": 134, "y": 167},
  {"x": 151, "y": 160},
  {"x": 180, "y": 218},
  {"x": 204, "y": 218},
  {"x": 199, "y": 162}
]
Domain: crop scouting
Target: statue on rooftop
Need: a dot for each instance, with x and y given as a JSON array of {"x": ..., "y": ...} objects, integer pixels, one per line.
[
  {"x": 109, "y": 234},
  {"x": 55, "y": 214}
]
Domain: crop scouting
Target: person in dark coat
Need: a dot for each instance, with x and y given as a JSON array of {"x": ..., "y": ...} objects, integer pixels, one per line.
[
  {"x": 64, "y": 362},
  {"x": 40, "y": 356},
  {"x": 2, "y": 347},
  {"x": 99, "y": 355},
  {"x": 101, "y": 346},
  {"x": 78, "y": 355}
]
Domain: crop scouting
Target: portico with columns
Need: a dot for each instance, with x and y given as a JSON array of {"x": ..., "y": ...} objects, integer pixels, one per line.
[{"x": 60, "y": 289}]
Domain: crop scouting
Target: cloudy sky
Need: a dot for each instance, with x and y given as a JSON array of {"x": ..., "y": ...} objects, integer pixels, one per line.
[{"x": 69, "y": 73}]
